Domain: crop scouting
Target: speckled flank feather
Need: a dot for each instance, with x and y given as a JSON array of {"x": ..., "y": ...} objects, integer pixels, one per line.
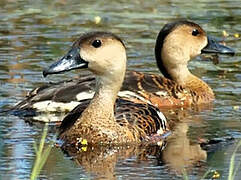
[
  {"x": 142, "y": 120},
  {"x": 163, "y": 92},
  {"x": 135, "y": 123}
]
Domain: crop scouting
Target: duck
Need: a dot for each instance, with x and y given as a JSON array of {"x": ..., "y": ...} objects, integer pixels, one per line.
[
  {"x": 104, "y": 54},
  {"x": 176, "y": 44}
]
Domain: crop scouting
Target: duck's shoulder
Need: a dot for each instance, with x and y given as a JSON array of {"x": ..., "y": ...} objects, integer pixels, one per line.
[{"x": 73, "y": 115}]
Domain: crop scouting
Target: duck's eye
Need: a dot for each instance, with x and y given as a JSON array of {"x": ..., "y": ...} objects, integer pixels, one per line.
[
  {"x": 69, "y": 56},
  {"x": 195, "y": 32},
  {"x": 96, "y": 43}
]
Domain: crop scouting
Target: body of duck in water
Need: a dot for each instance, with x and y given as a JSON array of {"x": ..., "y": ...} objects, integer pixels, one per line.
[{"x": 177, "y": 43}]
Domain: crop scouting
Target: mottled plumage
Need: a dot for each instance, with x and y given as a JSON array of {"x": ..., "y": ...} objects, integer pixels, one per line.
[{"x": 145, "y": 121}]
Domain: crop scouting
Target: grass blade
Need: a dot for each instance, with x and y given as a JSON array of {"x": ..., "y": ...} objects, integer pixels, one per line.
[
  {"x": 231, "y": 173},
  {"x": 45, "y": 156},
  {"x": 206, "y": 173},
  {"x": 41, "y": 156}
]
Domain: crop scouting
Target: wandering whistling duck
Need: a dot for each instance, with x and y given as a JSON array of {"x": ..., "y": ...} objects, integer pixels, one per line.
[
  {"x": 104, "y": 55},
  {"x": 176, "y": 44}
]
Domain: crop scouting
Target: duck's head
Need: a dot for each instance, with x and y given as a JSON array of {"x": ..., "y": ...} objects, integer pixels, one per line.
[
  {"x": 179, "y": 42},
  {"x": 101, "y": 52}
]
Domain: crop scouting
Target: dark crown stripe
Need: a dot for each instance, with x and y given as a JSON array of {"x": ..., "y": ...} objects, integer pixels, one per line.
[{"x": 95, "y": 34}]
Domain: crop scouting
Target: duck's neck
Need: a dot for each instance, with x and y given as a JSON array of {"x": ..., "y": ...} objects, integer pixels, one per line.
[
  {"x": 101, "y": 107},
  {"x": 172, "y": 62},
  {"x": 178, "y": 72}
]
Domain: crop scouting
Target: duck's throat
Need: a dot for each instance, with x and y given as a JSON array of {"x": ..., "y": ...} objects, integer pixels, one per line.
[
  {"x": 180, "y": 74},
  {"x": 101, "y": 107}
]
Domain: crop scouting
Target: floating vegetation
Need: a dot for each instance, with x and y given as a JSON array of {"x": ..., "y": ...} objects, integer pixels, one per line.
[{"x": 97, "y": 19}]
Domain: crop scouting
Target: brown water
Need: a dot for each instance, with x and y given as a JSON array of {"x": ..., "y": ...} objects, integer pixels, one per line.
[{"x": 34, "y": 33}]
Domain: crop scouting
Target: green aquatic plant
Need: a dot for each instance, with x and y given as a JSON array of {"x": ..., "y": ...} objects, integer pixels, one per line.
[
  {"x": 41, "y": 154},
  {"x": 215, "y": 175},
  {"x": 232, "y": 171}
]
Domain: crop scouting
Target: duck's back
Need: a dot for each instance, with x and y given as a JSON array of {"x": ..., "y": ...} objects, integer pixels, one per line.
[
  {"x": 138, "y": 87},
  {"x": 155, "y": 89}
]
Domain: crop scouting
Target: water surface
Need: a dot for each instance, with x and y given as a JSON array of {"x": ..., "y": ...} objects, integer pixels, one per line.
[{"x": 35, "y": 33}]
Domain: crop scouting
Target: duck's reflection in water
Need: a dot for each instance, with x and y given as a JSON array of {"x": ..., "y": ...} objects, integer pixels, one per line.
[
  {"x": 176, "y": 152},
  {"x": 180, "y": 152}
]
